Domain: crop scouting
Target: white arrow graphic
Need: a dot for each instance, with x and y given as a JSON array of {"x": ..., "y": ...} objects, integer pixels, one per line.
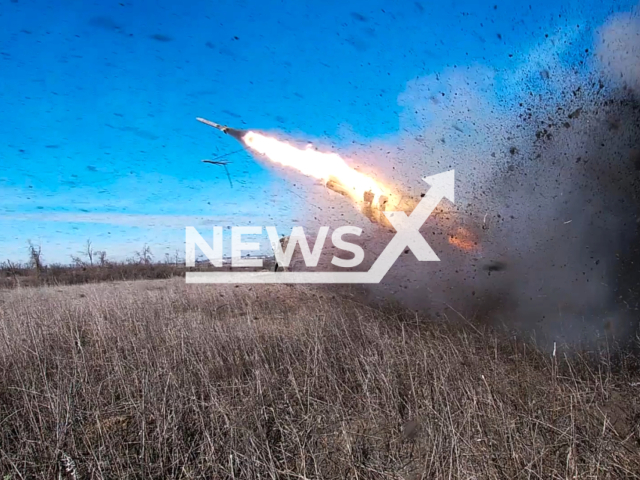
[
  {"x": 407, "y": 235},
  {"x": 408, "y": 227}
]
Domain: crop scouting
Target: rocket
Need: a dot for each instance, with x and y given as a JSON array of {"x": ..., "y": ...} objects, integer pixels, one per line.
[
  {"x": 372, "y": 211},
  {"x": 234, "y": 132}
]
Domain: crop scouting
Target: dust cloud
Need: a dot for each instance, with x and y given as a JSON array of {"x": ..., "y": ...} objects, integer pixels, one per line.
[{"x": 547, "y": 161}]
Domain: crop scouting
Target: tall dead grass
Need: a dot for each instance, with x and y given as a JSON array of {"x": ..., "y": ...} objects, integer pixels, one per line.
[{"x": 167, "y": 380}]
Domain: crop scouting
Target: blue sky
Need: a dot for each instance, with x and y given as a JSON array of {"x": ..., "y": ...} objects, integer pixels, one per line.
[{"x": 98, "y": 138}]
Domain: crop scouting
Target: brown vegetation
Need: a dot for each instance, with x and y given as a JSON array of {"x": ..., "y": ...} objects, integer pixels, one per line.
[
  {"x": 92, "y": 266},
  {"x": 13, "y": 276},
  {"x": 167, "y": 380}
]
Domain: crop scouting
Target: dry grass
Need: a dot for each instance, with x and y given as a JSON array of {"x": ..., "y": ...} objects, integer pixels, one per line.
[{"x": 166, "y": 380}]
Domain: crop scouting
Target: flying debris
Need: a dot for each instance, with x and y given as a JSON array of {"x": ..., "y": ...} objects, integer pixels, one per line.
[
  {"x": 222, "y": 163},
  {"x": 234, "y": 132}
]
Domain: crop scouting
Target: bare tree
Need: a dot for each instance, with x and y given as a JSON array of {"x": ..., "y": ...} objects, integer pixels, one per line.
[
  {"x": 89, "y": 252},
  {"x": 35, "y": 257},
  {"x": 144, "y": 256},
  {"x": 102, "y": 257},
  {"x": 12, "y": 269},
  {"x": 9, "y": 266},
  {"x": 77, "y": 261}
]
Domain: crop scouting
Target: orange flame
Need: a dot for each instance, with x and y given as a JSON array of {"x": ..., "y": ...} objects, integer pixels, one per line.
[
  {"x": 464, "y": 240},
  {"x": 323, "y": 166},
  {"x": 332, "y": 167}
]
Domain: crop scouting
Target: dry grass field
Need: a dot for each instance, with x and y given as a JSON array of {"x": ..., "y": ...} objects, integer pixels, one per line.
[{"x": 158, "y": 379}]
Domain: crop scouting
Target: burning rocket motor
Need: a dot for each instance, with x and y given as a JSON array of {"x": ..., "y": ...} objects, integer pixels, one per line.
[
  {"x": 373, "y": 211},
  {"x": 370, "y": 208},
  {"x": 371, "y": 197}
]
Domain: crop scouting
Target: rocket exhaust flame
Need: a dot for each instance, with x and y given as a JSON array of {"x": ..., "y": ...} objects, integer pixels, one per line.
[
  {"x": 330, "y": 168},
  {"x": 371, "y": 197}
]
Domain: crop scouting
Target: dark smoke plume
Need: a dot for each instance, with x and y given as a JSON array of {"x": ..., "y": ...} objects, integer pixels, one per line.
[{"x": 547, "y": 161}]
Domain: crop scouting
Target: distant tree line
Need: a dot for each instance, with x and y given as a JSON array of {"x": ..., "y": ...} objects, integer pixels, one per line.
[{"x": 91, "y": 265}]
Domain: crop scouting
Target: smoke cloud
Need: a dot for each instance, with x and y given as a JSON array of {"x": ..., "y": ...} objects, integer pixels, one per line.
[
  {"x": 547, "y": 160},
  {"x": 618, "y": 50}
]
